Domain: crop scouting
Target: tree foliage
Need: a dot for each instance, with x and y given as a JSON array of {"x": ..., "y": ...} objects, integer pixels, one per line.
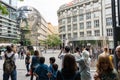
[
  {"x": 53, "y": 40},
  {"x": 3, "y": 9}
]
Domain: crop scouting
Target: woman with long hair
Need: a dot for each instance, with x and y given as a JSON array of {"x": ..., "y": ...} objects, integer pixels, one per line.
[
  {"x": 69, "y": 69},
  {"x": 105, "y": 69}
]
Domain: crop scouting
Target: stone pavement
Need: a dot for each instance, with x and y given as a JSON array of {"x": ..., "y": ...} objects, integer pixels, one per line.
[{"x": 21, "y": 69}]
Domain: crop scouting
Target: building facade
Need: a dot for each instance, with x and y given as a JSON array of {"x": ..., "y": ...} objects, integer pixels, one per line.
[
  {"x": 86, "y": 22},
  {"x": 9, "y": 29},
  {"x": 52, "y": 29},
  {"x": 34, "y": 22}
]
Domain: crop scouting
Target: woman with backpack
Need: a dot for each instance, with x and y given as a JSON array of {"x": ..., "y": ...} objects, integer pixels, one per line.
[
  {"x": 9, "y": 67},
  {"x": 69, "y": 69}
]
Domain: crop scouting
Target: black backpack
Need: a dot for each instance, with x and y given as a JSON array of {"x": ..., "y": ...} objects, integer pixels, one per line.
[{"x": 9, "y": 64}]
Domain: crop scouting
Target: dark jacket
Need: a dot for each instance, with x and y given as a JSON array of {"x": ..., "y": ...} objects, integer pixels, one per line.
[{"x": 68, "y": 75}]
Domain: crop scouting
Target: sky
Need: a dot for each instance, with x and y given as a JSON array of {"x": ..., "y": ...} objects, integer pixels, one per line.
[{"x": 47, "y": 8}]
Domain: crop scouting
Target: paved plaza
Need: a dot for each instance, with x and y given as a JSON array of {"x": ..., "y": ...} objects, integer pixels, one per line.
[{"x": 21, "y": 69}]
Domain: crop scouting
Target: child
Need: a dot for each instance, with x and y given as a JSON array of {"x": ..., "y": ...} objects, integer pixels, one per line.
[
  {"x": 41, "y": 72},
  {"x": 55, "y": 70},
  {"x": 52, "y": 61},
  {"x": 27, "y": 63}
]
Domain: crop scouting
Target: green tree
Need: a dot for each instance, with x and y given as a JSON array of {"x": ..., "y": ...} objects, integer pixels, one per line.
[
  {"x": 53, "y": 40},
  {"x": 4, "y": 10}
]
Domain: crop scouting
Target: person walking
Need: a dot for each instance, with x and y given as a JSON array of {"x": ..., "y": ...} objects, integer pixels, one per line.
[
  {"x": 105, "y": 69},
  {"x": 69, "y": 69},
  {"x": 84, "y": 66},
  {"x": 9, "y": 66},
  {"x": 27, "y": 63}
]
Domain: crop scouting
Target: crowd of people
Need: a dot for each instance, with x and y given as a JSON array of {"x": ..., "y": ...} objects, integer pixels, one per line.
[{"x": 75, "y": 66}]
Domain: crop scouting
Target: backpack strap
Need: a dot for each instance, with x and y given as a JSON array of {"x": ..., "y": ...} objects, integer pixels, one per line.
[
  {"x": 6, "y": 57},
  {"x": 12, "y": 56}
]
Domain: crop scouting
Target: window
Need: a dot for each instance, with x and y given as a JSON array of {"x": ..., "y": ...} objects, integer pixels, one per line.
[
  {"x": 62, "y": 28},
  {"x": 69, "y": 27},
  {"x": 63, "y": 21},
  {"x": 96, "y": 5},
  {"x": 88, "y": 15},
  {"x": 89, "y": 33},
  {"x": 69, "y": 36},
  {"x": 74, "y": 26},
  {"x": 81, "y": 25},
  {"x": 107, "y": 1},
  {"x": 96, "y": 23},
  {"x": 97, "y": 33},
  {"x": 75, "y": 19},
  {"x": 96, "y": 14},
  {"x": 64, "y": 14},
  {"x": 88, "y": 25},
  {"x": 81, "y": 17},
  {"x": 81, "y": 10},
  {"x": 69, "y": 12},
  {"x": 109, "y": 32},
  {"x": 69, "y": 20},
  {"x": 74, "y": 11},
  {"x": 108, "y": 11},
  {"x": 81, "y": 34},
  {"x": 108, "y": 21},
  {"x": 88, "y": 7},
  {"x": 75, "y": 35}
]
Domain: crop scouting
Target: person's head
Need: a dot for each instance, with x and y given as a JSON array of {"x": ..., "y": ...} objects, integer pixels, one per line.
[
  {"x": 69, "y": 63},
  {"x": 67, "y": 49},
  {"x": 13, "y": 47},
  {"x": 52, "y": 60},
  {"x": 55, "y": 66},
  {"x": 77, "y": 49},
  {"x": 28, "y": 53},
  {"x": 36, "y": 53},
  {"x": 85, "y": 54},
  {"x": 106, "y": 49},
  {"x": 104, "y": 64},
  {"x": 117, "y": 50},
  {"x": 8, "y": 49},
  {"x": 42, "y": 60},
  {"x": 110, "y": 51}
]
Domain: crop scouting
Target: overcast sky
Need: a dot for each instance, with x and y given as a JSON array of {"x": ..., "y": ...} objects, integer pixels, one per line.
[{"x": 47, "y": 8}]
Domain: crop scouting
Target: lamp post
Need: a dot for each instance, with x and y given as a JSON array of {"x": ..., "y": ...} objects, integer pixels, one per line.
[{"x": 116, "y": 29}]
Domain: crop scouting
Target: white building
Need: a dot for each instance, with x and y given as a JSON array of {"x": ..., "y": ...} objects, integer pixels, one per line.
[
  {"x": 9, "y": 29},
  {"x": 86, "y": 21}
]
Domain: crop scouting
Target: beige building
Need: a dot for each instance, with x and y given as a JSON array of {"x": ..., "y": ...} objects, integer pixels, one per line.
[
  {"x": 86, "y": 22},
  {"x": 52, "y": 29}
]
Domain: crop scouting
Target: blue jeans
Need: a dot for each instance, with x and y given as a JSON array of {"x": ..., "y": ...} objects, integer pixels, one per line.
[
  {"x": 27, "y": 67},
  {"x": 13, "y": 75}
]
